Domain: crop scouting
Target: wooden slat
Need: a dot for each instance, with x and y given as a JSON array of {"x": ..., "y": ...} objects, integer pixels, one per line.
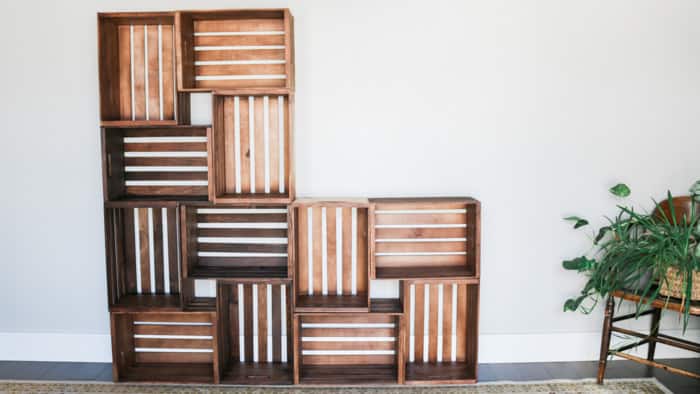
[
  {"x": 419, "y": 319},
  {"x": 432, "y": 247},
  {"x": 241, "y": 83},
  {"x": 256, "y": 40},
  {"x": 165, "y": 161},
  {"x": 242, "y": 248},
  {"x": 163, "y": 176},
  {"x": 172, "y": 317},
  {"x": 419, "y": 261},
  {"x": 139, "y": 83},
  {"x": 129, "y": 250},
  {"x": 317, "y": 250},
  {"x": 461, "y": 321},
  {"x": 347, "y": 332},
  {"x": 347, "y": 250},
  {"x": 158, "y": 250},
  {"x": 248, "y": 321},
  {"x": 166, "y": 147},
  {"x": 172, "y": 250},
  {"x": 347, "y": 360},
  {"x": 447, "y": 322},
  {"x": 362, "y": 264},
  {"x": 242, "y": 218},
  {"x": 259, "y": 54},
  {"x": 259, "y": 146},
  {"x": 241, "y": 69},
  {"x": 231, "y": 262},
  {"x": 234, "y": 322},
  {"x": 274, "y": 145},
  {"x": 262, "y": 322},
  {"x": 302, "y": 251},
  {"x": 456, "y": 232},
  {"x": 245, "y": 144},
  {"x": 416, "y": 219},
  {"x": 359, "y": 345},
  {"x": 184, "y": 131},
  {"x": 238, "y": 25},
  {"x": 168, "y": 75},
  {"x": 171, "y": 330},
  {"x": 179, "y": 357},
  {"x": 144, "y": 251},
  {"x": 392, "y": 204},
  {"x": 331, "y": 267},
  {"x": 125, "y": 72},
  {"x": 433, "y": 326},
  {"x": 242, "y": 232},
  {"x": 342, "y": 318},
  {"x": 276, "y": 329},
  {"x": 229, "y": 145},
  {"x": 153, "y": 73},
  {"x": 167, "y": 190},
  {"x": 173, "y": 343}
]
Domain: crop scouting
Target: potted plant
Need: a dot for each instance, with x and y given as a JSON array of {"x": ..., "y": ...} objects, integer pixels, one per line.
[{"x": 651, "y": 254}]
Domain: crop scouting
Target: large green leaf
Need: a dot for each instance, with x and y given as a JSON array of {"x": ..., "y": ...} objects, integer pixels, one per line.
[
  {"x": 620, "y": 190},
  {"x": 582, "y": 263},
  {"x": 578, "y": 222},
  {"x": 601, "y": 234},
  {"x": 572, "y": 304}
]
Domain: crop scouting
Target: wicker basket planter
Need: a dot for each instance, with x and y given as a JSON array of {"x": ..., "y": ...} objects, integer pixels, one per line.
[{"x": 674, "y": 284}]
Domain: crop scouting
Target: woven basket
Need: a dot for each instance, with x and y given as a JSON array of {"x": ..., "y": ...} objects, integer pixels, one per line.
[{"x": 673, "y": 285}]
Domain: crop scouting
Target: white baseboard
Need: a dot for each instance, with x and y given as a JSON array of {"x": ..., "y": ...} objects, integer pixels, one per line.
[{"x": 509, "y": 348}]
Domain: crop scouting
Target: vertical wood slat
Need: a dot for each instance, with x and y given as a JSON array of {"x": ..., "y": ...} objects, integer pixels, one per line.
[
  {"x": 125, "y": 71},
  {"x": 361, "y": 252},
  {"x": 276, "y": 330},
  {"x": 302, "y": 231},
  {"x": 138, "y": 66},
  {"x": 248, "y": 321},
  {"x": 243, "y": 111},
  {"x": 233, "y": 323},
  {"x": 229, "y": 145},
  {"x": 331, "y": 250},
  {"x": 447, "y": 322},
  {"x": 158, "y": 250},
  {"x": 129, "y": 250},
  {"x": 262, "y": 322},
  {"x": 172, "y": 250},
  {"x": 273, "y": 114},
  {"x": 419, "y": 317},
  {"x": 259, "y": 146},
  {"x": 462, "y": 314},
  {"x": 347, "y": 251},
  {"x": 433, "y": 323},
  {"x": 317, "y": 251},
  {"x": 153, "y": 72},
  {"x": 144, "y": 251},
  {"x": 168, "y": 75}
]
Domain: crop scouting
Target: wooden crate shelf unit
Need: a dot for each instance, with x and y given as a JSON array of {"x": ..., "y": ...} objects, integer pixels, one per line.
[
  {"x": 235, "y": 49},
  {"x": 424, "y": 238},
  {"x": 176, "y": 347},
  {"x": 348, "y": 348},
  {"x": 255, "y": 342},
  {"x": 156, "y": 163},
  {"x": 442, "y": 331},
  {"x": 331, "y": 256},
  {"x": 251, "y": 148},
  {"x": 142, "y": 257},
  {"x": 234, "y": 241},
  {"x": 137, "y": 70}
]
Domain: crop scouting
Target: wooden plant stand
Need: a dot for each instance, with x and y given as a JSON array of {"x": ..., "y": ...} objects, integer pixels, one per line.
[
  {"x": 186, "y": 204},
  {"x": 652, "y": 338}
]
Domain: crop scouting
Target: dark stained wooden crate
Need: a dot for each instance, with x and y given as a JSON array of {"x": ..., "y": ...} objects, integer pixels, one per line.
[
  {"x": 226, "y": 49},
  {"x": 348, "y": 348},
  {"x": 234, "y": 241},
  {"x": 142, "y": 257},
  {"x": 155, "y": 163},
  {"x": 330, "y": 255},
  {"x": 255, "y": 331},
  {"x": 441, "y": 331},
  {"x": 177, "y": 347},
  {"x": 137, "y": 70},
  {"x": 424, "y": 238},
  {"x": 252, "y": 147},
  {"x": 191, "y": 301}
]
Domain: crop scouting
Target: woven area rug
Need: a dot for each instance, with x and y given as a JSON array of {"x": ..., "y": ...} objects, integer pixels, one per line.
[{"x": 648, "y": 385}]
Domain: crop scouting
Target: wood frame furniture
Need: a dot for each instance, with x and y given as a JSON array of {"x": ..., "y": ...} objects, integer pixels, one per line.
[
  {"x": 186, "y": 203},
  {"x": 653, "y": 338}
]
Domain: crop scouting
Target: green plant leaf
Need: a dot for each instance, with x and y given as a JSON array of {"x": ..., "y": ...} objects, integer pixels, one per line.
[
  {"x": 601, "y": 234},
  {"x": 620, "y": 190},
  {"x": 572, "y": 304},
  {"x": 578, "y": 222},
  {"x": 582, "y": 263}
]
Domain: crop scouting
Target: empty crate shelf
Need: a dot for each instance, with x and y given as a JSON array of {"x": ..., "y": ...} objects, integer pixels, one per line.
[
  {"x": 424, "y": 238},
  {"x": 137, "y": 69},
  {"x": 251, "y": 148},
  {"x": 330, "y": 255},
  {"x": 155, "y": 163},
  {"x": 442, "y": 324},
  {"x": 254, "y": 322},
  {"x": 235, "y": 49},
  {"x": 358, "y": 349},
  {"x": 164, "y": 347},
  {"x": 234, "y": 242},
  {"x": 142, "y": 257}
]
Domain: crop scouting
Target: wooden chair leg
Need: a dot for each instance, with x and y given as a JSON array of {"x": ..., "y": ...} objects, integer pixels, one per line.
[
  {"x": 605, "y": 340},
  {"x": 653, "y": 332}
]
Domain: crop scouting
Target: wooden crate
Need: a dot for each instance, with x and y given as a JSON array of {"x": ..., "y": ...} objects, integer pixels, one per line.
[
  {"x": 441, "y": 331},
  {"x": 348, "y": 348},
  {"x": 255, "y": 341},
  {"x": 424, "y": 238},
  {"x": 137, "y": 70},
  {"x": 149, "y": 163},
  {"x": 234, "y": 241},
  {"x": 142, "y": 257},
  {"x": 330, "y": 255},
  {"x": 191, "y": 301},
  {"x": 144, "y": 350},
  {"x": 235, "y": 49},
  {"x": 252, "y": 147}
]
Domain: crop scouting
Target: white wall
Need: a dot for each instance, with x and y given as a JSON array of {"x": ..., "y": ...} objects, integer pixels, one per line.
[{"x": 533, "y": 107}]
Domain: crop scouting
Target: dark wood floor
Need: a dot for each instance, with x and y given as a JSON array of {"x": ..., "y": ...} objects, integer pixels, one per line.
[{"x": 29, "y": 370}]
